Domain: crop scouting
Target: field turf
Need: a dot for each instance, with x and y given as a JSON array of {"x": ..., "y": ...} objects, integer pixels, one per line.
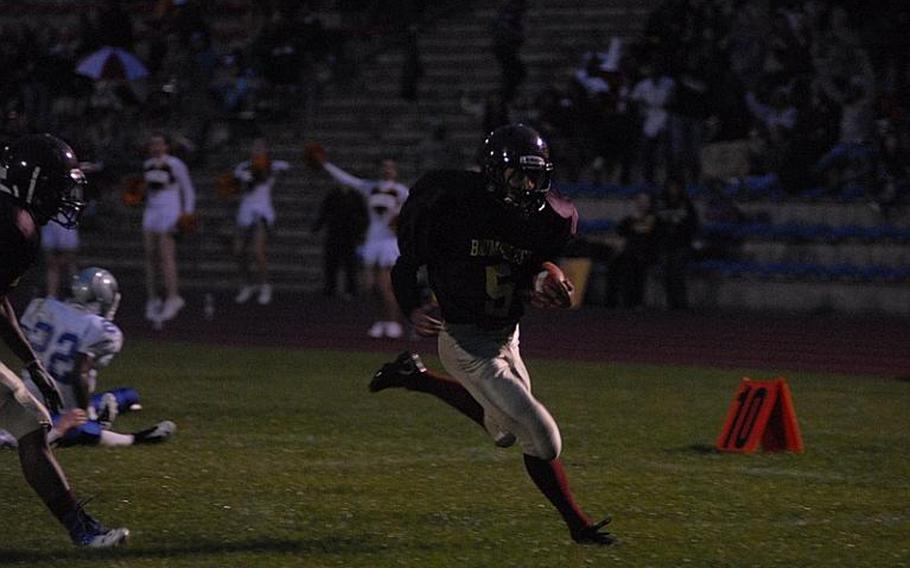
[{"x": 282, "y": 458}]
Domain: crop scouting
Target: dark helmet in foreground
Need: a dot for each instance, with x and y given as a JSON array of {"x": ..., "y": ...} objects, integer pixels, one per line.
[
  {"x": 516, "y": 161},
  {"x": 41, "y": 172},
  {"x": 97, "y": 290}
]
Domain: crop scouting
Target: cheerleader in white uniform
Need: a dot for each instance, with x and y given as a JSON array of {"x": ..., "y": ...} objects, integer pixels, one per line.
[
  {"x": 385, "y": 197},
  {"x": 169, "y": 194},
  {"x": 255, "y": 216}
]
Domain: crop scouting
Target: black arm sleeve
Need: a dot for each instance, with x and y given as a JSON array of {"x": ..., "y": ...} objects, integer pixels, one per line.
[
  {"x": 405, "y": 285},
  {"x": 415, "y": 240}
]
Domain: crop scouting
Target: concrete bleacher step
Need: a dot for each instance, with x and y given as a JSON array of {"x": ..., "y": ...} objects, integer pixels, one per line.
[
  {"x": 833, "y": 213},
  {"x": 797, "y": 296},
  {"x": 858, "y": 254}
]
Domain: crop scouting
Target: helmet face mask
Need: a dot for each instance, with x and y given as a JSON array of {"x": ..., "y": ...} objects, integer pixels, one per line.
[
  {"x": 68, "y": 211},
  {"x": 516, "y": 162},
  {"x": 97, "y": 290},
  {"x": 41, "y": 172}
]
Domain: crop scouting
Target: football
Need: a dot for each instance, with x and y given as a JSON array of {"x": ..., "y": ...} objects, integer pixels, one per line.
[{"x": 551, "y": 288}]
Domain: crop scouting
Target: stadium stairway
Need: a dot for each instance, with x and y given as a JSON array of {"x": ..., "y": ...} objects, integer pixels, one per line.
[{"x": 359, "y": 120}]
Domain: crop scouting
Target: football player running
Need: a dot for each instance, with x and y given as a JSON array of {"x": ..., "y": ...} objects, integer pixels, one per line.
[
  {"x": 74, "y": 339},
  {"x": 40, "y": 181},
  {"x": 487, "y": 241}
]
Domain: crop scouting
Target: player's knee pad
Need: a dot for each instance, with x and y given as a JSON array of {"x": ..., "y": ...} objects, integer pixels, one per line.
[{"x": 544, "y": 442}]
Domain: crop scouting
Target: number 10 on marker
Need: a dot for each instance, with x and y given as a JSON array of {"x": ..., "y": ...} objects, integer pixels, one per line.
[{"x": 761, "y": 413}]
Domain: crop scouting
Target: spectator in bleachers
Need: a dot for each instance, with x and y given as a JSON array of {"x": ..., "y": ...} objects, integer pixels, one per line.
[
  {"x": 775, "y": 121},
  {"x": 814, "y": 133},
  {"x": 652, "y": 94},
  {"x": 629, "y": 270},
  {"x": 588, "y": 91},
  {"x": 412, "y": 67},
  {"x": 508, "y": 37},
  {"x": 437, "y": 150},
  {"x": 277, "y": 48},
  {"x": 776, "y": 117},
  {"x": 343, "y": 217},
  {"x": 892, "y": 170},
  {"x": 614, "y": 126},
  {"x": 857, "y": 110},
  {"x": 187, "y": 19},
  {"x": 234, "y": 84},
  {"x": 689, "y": 109},
  {"x": 722, "y": 209},
  {"x": 492, "y": 111},
  {"x": 677, "y": 224},
  {"x": 115, "y": 25},
  {"x": 557, "y": 120},
  {"x": 848, "y": 167}
]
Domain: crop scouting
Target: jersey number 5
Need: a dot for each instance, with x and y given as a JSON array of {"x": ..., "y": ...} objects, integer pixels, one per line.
[{"x": 500, "y": 290}]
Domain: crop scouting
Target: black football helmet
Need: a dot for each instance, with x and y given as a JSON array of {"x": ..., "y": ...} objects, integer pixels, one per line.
[
  {"x": 521, "y": 149},
  {"x": 41, "y": 172}
]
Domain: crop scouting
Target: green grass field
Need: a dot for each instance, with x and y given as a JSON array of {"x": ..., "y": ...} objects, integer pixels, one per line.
[{"x": 283, "y": 458}]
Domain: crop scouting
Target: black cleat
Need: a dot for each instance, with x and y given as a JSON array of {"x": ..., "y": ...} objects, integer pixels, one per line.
[
  {"x": 157, "y": 433},
  {"x": 592, "y": 534},
  {"x": 398, "y": 372}
]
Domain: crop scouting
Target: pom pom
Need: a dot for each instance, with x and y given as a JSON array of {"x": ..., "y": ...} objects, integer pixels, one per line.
[
  {"x": 188, "y": 223},
  {"x": 226, "y": 186},
  {"x": 132, "y": 190},
  {"x": 314, "y": 155}
]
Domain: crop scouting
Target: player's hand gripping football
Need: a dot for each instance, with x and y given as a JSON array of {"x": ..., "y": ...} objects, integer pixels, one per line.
[
  {"x": 425, "y": 323},
  {"x": 45, "y": 383},
  {"x": 551, "y": 288}
]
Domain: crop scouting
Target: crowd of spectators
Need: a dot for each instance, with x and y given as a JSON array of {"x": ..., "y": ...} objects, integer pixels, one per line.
[
  {"x": 797, "y": 94},
  {"x": 192, "y": 85},
  {"x": 810, "y": 93}
]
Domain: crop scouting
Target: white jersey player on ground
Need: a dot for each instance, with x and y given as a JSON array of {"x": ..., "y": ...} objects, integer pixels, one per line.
[
  {"x": 255, "y": 216},
  {"x": 75, "y": 339},
  {"x": 384, "y": 196}
]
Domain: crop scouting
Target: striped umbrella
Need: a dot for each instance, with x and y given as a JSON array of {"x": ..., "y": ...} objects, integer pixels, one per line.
[{"x": 112, "y": 63}]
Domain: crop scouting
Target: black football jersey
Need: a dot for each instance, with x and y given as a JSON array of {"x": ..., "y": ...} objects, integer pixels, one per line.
[
  {"x": 480, "y": 254},
  {"x": 20, "y": 244}
]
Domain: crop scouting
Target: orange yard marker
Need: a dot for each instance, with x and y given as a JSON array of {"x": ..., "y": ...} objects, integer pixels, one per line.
[{"x": 761, "y": 413}]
